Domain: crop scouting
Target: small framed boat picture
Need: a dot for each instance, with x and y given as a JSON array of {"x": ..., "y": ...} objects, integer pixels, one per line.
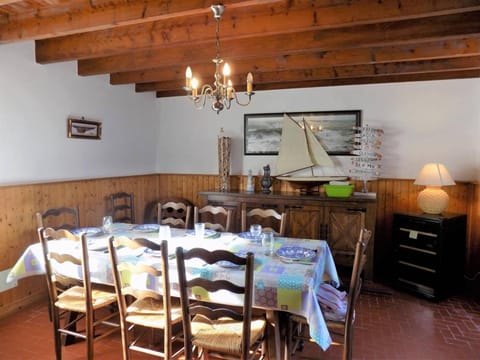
[
  {"x": 334, "y": 130},
  {"x": 84, "y": 129}
]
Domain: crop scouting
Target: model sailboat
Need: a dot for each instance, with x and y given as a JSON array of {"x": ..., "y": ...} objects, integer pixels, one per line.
[{"x": 301, "y": 150}]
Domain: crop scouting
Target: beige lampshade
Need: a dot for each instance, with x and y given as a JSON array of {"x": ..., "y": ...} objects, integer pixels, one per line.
[
  {"x": 433, "y": 200},
  {"x": 434, "y": 174}
]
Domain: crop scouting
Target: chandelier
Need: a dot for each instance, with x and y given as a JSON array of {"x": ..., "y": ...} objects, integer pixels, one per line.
[{"x": 221, "y": 93}]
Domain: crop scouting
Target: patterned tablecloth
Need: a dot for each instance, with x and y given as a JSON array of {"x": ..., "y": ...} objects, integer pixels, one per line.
[{"x": 279, "y": 284}]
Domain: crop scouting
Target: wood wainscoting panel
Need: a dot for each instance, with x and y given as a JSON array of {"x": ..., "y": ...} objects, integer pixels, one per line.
[{"x": 19, "y": 203}]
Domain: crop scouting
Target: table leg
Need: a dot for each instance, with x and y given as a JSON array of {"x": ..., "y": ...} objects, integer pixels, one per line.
[
  {"x": 70, "y": 318},
  {"x": 274, "y": 350}
]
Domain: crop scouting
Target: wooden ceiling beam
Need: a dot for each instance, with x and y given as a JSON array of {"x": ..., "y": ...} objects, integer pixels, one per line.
[
  {"x": 92, "y": 18},
  {"x": 411, "y": 52},
  {"x": 171, "y": 32},
  {"x": 460, "y": 74},
  {"x": 336, "y": 72},
  {"x": 385, "y": 34}
]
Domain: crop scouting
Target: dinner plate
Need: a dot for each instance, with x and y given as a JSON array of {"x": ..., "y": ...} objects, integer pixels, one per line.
[
  {"x": 90, "y": 231},
  {"x": 94, "y": 244},
  {"x": 146, "y": 228},
  {"x": 295, "y": 253},
  {"x": 249, "y": 236},
  {"x": 209, "y": 233}
]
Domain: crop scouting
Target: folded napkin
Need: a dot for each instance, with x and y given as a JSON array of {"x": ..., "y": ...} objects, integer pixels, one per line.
[{"x": 332, "y": 302}]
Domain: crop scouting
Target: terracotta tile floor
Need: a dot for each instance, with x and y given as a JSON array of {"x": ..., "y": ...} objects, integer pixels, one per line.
[{"x": 396, "y": 326}]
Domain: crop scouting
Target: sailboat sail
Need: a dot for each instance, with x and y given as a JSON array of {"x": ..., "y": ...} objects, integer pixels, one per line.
[
  {"x": 299, "y": 150},
  {"x": 293, "y": 154}
]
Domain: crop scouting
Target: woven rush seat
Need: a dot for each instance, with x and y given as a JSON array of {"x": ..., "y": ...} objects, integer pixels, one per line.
[
  {"x": 224, "y": 334},
  {"x": 73, "y": 299},
  {"x": 150, "y": 313}
]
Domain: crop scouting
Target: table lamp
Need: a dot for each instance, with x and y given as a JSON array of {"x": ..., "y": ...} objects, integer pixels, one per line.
[{"x": 433, "y": 200}]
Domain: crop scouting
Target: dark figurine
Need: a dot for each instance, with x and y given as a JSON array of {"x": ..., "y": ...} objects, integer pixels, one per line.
[{"x": 266, "y": 181}]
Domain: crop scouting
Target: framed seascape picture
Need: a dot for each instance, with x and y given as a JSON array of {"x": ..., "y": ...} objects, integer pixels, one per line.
[
  {"x": 334, "y": 130},
  {"x": 85, "y": 129}
]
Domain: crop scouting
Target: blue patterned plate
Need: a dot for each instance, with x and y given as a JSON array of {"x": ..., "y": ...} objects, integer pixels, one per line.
[
  {"x": 147, "y": 228},
  {"x": 295, "y": 253},
  {"x": 248, "y": 235},
  {"x": 90, "y": 231}
]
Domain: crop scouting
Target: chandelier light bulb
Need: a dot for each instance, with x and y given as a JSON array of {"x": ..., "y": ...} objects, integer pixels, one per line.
[
  {"x": 194, "y": 85},
  {"x": 249, "y": 83},
  {"x": 188, "y": 78},
  {"x": 226, "y": 69}
]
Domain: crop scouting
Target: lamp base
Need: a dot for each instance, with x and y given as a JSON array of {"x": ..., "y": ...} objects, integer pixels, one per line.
[{"x": 432, "y": 200}]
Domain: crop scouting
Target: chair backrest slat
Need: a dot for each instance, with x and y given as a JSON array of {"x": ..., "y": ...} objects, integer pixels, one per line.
[
  {"x": 270, "y": 219},
  {"x": 122, "y": 207},
  {"x": 215, "y": 217},
  {"x": 174, "y": 213},
  {"x": 59, "y": 218}
]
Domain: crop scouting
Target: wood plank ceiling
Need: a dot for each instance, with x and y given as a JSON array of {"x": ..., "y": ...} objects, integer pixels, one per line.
[{"x": 285, "y": 44}]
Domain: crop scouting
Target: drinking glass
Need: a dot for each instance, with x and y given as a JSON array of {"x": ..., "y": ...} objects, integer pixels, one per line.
[
  {"x": 268, "y": 243},
  {"x": 107, "y": 222},
  {"x": 256, "y": 231},
  {"x": 164, "y": 232},
  {"x": 199, "y": 230}
]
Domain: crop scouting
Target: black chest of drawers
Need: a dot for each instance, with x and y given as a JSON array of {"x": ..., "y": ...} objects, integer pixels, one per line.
[{"x": 429, "y": 253}]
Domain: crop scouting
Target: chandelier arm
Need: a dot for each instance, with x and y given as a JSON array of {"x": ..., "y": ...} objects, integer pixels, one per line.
[{"x": 235, "y": 96}]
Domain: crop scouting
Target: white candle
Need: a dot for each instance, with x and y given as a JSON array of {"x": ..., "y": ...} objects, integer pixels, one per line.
[
  {"x": 188, "y": 77},
  {"x": 249, "y": 82}
]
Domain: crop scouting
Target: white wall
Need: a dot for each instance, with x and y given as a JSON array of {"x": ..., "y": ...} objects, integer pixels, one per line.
[
  {"x": 35, "y": 103},
  {"x": 423, "y": 122}
]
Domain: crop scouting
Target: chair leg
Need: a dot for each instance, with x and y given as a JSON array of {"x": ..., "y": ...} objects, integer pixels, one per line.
[
  {"x": 56, "y": 335},
  {"x": 125, "y": 341}
]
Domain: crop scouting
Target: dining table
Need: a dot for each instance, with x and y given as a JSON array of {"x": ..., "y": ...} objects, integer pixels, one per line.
[{"x": 285, "y": 280}]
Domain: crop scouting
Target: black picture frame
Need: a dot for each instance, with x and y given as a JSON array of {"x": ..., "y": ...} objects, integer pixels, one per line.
[{"x": 334, "y": 130}]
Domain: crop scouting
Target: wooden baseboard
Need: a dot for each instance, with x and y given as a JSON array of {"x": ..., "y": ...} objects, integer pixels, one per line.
[{"x": 15, "y": 306}]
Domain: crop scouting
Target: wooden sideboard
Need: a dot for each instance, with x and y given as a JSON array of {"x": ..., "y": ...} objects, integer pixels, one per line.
[{"x": 336, "y": 220}]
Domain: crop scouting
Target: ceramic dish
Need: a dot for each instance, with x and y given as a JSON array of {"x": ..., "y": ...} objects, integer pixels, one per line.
[
  {"x": 295, "y": 253},
  {"x": 146, "y": 227},
  {"x": 90, "y": 231},
  {"x": 249, "y": 236}
]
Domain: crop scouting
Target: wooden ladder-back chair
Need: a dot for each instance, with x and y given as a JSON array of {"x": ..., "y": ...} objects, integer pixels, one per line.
[
  {"x": 149, "y": 309},
  {"x": 122, "y": 207},
  {"x": 212, "y": 329},
  {"x": 83, "y": 301},
  {"x": 63, "y": 282},
  {"x": 298, "y": 330},
  {"x": 176, "y": 213},
  {"x": 270, "y": 219},
  {"x": 215, "y": 217},
  {"x": 59, "y": 218}
]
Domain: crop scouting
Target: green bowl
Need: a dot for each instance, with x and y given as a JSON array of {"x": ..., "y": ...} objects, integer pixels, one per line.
[{"x": 341, "y": 191}]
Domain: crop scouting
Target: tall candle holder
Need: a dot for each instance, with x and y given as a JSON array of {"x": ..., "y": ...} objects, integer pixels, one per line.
[{"x": 224, "y": 146}]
